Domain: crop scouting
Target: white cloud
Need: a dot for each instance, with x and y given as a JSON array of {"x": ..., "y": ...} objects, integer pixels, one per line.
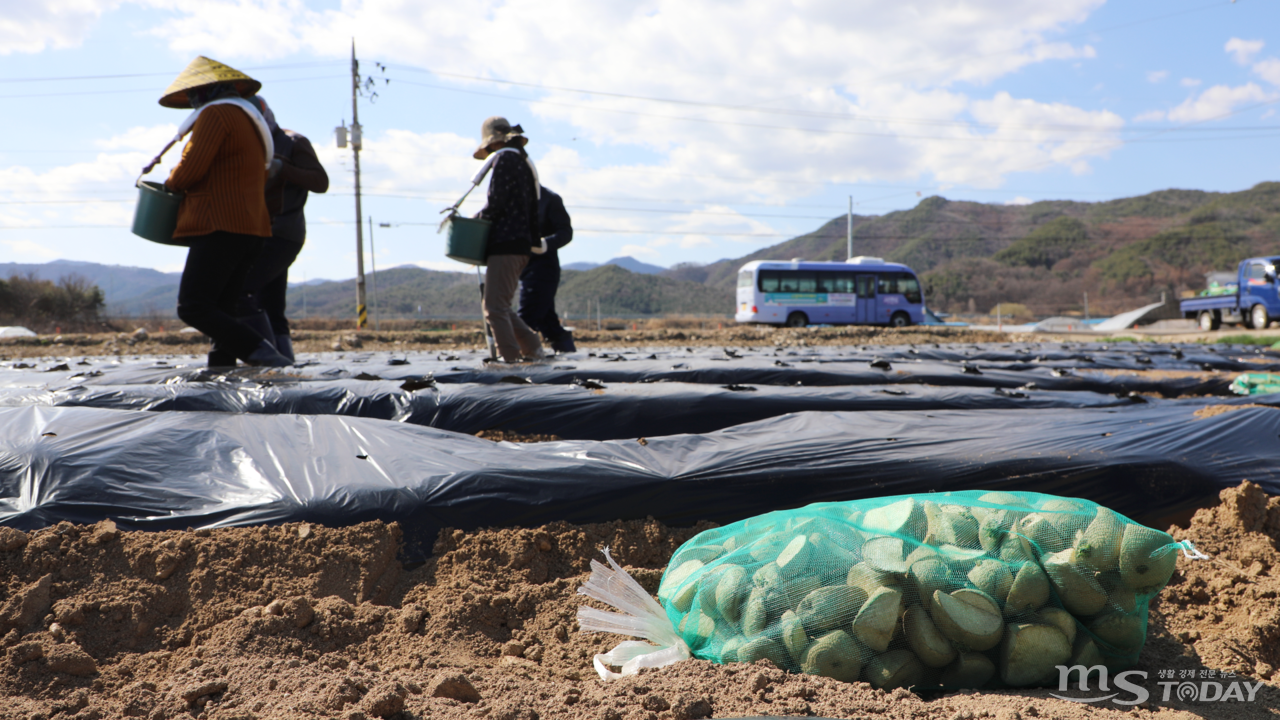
[
  {"x": 890, "y": 64},
  {"x": 1242, "y": 51},
  {"x": 1151, "y": 116},
  {"x": 97, "y": 191},
  {"x": 1268, "y": 70},
  {"x": 1190, "y": 82},
  {"x": 146, "y": 139},
  {"x": 1218, "y": 101},
  {"x": 31, "y": 26},
  {"x": 29, "y": 250},
  {"x": 1156, "y": 76},
  {"x": 1020, "y": 200},
  {"x": 634, "y": 250}
]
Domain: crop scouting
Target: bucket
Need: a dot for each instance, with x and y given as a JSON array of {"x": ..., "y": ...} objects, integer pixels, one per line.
[
  {"x": 468, "y": 239},
  {"x": 156, "y": 214}
]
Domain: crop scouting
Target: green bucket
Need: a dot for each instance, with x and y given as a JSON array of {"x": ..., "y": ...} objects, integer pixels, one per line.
[
  {"x": 156, "y": 215},
  {"x": 468, "y": 239}
]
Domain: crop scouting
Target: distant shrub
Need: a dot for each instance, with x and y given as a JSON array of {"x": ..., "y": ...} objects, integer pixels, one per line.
[
  {"x": 1016, "y": 311},
  {"x": 1046, "y": 245}
]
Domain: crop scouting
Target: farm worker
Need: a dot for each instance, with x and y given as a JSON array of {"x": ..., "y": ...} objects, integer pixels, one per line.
[
  {"x": 512, "y": 207},
  {"x": 296, "y": 171},
  {"x": 223, "y": 216},
  {"x": 541, "y": 278}
]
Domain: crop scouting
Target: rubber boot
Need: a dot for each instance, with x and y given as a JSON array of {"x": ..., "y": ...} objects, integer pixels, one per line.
[
  {"x": 261, "y": 324},
  {"x": 564, "y": 343},
  {"x": 284, "y": 346},
  {"x": 219, "y": 358},
  {"x": 267, "y": 356}
]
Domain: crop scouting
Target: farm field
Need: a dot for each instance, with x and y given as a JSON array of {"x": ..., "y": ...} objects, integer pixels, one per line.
[{"x": 155, "y": 563}]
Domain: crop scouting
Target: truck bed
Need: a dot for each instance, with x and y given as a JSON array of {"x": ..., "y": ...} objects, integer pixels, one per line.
[{"x": 1210, "y": 302}]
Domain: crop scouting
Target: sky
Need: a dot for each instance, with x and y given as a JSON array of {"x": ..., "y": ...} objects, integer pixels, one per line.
[{"x": 676, "y": 130}]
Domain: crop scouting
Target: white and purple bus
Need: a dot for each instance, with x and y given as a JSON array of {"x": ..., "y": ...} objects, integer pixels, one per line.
[{"x": 861, "y": 291}]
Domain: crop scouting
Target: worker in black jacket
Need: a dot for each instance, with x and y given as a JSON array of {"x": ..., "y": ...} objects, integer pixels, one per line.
[{"x": 541, "y": 277}]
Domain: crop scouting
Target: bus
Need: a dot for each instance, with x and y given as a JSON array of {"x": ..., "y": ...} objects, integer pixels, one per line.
[{"x": 860, "y": 291}]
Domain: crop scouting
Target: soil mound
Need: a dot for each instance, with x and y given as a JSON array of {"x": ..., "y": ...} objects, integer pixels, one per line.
[{"x": 299, "y": 621}]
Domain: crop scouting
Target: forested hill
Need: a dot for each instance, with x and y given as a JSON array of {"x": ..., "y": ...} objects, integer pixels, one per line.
[
  {"x": 620, "y": 293},
  {"x": 1046, "y": 255}
]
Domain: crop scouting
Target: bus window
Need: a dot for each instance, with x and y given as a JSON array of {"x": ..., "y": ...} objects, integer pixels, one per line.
[
  {"x": 770, "y": 280},
  {"x": 889, "y": 283},
  {"x": 866, "y": 286},
  {"x": 910, "y": 289},
  {"x": 798, "y": 281},
  {"x": 835, "y": 283},
  {"x": 744, "y": 279}
]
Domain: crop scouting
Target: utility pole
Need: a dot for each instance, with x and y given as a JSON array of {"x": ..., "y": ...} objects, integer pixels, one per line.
[
  {"x": 373, "y": 266},
  {"x": 362, "y": 312},
  {"x": 850, "y": 253}
]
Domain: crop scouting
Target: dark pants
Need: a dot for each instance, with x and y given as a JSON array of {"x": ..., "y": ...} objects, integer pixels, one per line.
[
  {"x": 212, "y": 288},
  {"x": 538, "y": 286},
  {"x": 268, "y": 282}
]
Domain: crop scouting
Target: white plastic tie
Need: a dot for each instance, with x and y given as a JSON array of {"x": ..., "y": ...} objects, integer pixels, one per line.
[
  {"x": 641, "y": 616},
  {"x": 1190, "y": 552}
]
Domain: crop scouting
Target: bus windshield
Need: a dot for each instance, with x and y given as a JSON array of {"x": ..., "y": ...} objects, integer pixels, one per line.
[{"x": 900, "y": 284}]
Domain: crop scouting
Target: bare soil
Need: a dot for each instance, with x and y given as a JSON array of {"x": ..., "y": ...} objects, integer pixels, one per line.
[
  {"x": 302, "y": 621},
  {"x": 468, "y": 336}
]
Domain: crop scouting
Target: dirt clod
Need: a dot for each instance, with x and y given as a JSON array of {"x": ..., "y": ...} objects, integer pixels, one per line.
[{"x": 453, "y": 687}]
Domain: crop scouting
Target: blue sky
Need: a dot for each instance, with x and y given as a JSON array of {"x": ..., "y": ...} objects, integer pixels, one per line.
[{"x": 677, "y": 131}]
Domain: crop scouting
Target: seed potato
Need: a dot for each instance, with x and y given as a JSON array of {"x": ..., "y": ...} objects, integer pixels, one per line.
[
  {"x": 1030, "y": 653},
  {"x": 970, "y": 618},
  {"x": 894, "y": 669},
  {"x": 1030, "y": 590},
  {"x": 1078, "y": 590},
  {"x": 969, "y": 671},
  {"x": 834, "y": 655},
  {"x": 993, "y": 578},
  {"x": 828, "y": 608},
  {"x": 764, "y": 647},
  {"x": 876, "y": 621},
  {"x": 794, "y": 638},
  {"x": 1146, "y": 563},
  {"x": 925, "y": 641}
]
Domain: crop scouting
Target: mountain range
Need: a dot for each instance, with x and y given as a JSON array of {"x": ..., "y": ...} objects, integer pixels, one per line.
[
  {"x": 626, "y": 262},
  {"x": 1051, "y": 256}
]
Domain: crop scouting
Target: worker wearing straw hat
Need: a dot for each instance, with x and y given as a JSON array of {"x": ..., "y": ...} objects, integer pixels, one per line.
[
  {"x": 223, "y": 216},
  {"x": 512, "y": 207}
]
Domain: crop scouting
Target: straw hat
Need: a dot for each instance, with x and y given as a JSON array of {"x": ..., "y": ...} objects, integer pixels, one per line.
[
  {"x": 497, "y": 129},
  {"x": 203, "y": 71}
]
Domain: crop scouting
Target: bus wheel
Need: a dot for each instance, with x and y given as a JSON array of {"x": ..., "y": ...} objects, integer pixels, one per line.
[
  {"x": 797, "y": 319},
  {"x": 1208, "y": 322},
  {"x": 1259, "y": 317},
  {"x": 900, "y": 319}
]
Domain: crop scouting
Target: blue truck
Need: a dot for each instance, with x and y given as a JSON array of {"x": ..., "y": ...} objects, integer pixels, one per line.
[{"x": 1254, "y": 301}]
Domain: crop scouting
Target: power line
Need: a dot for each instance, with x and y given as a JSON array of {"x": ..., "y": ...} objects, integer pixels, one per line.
[
  {"x": 50, "y": 78},
  {"x": 279, "y": 81}
]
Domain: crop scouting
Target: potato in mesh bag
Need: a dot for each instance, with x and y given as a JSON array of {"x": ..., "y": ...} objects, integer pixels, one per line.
[{"x": 952, "y": 590}]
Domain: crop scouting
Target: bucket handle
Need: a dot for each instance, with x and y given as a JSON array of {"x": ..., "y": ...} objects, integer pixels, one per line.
[
  {"x": 475, "y": 182},
  {"x": 154, "y": 162}
]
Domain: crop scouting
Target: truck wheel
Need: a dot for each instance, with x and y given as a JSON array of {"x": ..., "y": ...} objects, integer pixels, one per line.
[
  {"x": 899, "y": 320},
  {"x": 1208, "y": 321},
  {"x": 1259, "y": 317},
  {"x": 797, "y": 319}
]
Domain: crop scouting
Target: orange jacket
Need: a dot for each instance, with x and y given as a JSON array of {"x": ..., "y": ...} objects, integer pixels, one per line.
[{"x": 223, "y": 173}]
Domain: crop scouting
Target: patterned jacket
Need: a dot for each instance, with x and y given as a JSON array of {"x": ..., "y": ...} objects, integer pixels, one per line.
[{"x": 223, "y": 175}]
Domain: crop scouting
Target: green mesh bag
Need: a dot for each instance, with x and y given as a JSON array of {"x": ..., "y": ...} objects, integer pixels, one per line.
[{"x": 956, "y": 590}]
